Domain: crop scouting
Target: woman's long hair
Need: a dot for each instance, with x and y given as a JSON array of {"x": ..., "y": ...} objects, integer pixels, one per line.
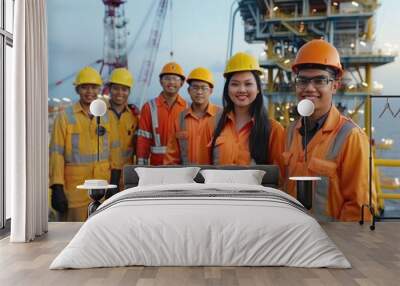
[{"x": 260, "y": 132}]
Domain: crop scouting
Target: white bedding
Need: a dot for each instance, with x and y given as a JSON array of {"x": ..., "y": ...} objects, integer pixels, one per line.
[{"x": 186, "y": 230}]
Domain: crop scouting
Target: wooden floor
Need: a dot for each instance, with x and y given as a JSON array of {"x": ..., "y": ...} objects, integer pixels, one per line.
[{"x": 375, "y": 256}]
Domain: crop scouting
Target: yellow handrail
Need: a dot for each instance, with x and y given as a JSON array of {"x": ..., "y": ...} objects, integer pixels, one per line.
[
  {"x": 381, "y": 185},
  {"x": 390, "y": 196},
  {"x": 387, "y": 162}
]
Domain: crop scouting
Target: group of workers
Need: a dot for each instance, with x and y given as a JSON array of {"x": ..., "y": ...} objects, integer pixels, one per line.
[{"x": 168, "y": 130}]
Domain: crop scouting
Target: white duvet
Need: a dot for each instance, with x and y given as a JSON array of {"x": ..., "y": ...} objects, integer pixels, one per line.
[{"x": 207, "y": 230}]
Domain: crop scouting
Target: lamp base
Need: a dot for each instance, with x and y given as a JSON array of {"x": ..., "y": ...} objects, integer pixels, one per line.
[
  {"x": 305, "y": 190},
  {"x": 305, "y": 193},
  {"x": 96, "y": 195}
]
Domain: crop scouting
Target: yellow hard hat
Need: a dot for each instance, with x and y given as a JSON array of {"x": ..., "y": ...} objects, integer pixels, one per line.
[
  {"x": 242, "y": 62},
  {"x": 121, "y": 76},
  {"x": 88, "y": 75},
  {"x": 173, "y": 68},
  {"x": 202, "y": 74},
  {"x": 318, "y": 52}
]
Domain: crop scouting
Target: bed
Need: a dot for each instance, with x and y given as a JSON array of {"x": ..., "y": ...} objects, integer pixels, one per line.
[{"x": 204, "y": 222}]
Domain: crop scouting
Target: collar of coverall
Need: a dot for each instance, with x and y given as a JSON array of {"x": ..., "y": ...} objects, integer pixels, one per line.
[
  {"x": 161, "y": 100},
  {"x": 211, "y": 110},
  {"x": 231, "y": 116},
  {"x": 331, "y": 122}
]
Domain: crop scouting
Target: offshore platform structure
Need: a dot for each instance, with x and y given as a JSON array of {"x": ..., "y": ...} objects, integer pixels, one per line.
[
  {"x": 115, "y": 41},
  {"x": 285, "y": 25},
  {"x": 115, "y": 37},
  {"x": 116, "y": 50}
]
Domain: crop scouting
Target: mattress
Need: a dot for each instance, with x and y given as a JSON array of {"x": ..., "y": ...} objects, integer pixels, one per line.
[{"x": 201, "y": 225}]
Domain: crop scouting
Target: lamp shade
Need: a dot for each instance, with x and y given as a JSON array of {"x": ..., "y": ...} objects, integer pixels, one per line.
[
  {"x": 305, "y": 107},
  {"x": 98, "y": 107}
]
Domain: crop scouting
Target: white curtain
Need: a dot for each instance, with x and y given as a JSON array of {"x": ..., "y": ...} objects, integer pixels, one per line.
[{"x": 27, "y": 123}]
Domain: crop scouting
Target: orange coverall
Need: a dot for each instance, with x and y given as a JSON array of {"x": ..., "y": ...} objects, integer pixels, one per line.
[
  {"x": 232, "y": 146},
  {"x": 155, "y": 127},
  {"x": 189, "y": 145},
  {"x": 342, "y": 165}
]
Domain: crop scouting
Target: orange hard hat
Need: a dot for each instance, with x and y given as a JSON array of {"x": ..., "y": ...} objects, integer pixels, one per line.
[
  {"x": 173, "y": 68},
  {"x": 318, "y": 52}
]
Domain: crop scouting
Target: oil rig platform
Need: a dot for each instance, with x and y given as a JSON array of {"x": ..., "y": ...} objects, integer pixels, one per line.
[{"x": 285, "y": 25}]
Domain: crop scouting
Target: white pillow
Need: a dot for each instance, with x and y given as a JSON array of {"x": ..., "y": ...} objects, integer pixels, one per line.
[
  {"x": 248, "y": 177},
  {"x": 164, "y": 176}
]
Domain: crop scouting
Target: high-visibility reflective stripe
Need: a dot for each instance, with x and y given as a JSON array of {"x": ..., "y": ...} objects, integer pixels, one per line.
[
  {"x": 75, "y": 148},
  {"x": 104, "y": 118},
  {"x": 215, "y": 156},
  {"x": 218, "y": 116},
  {"x": 142, "y": 161},
  {"x": 115, "y": 144},
  {"x": 320, "y": 201},
  {"x": 290, "y": 133},
  {"x": 86, "y": 159},
  {"x": 105, "y": 154},
  {"x": 72, "y": 120},
  {"x": 322, "y": 187},
  {"x": 70, "y": 115},
  {"x": 339, "y": 140},
  {"x": 158, "y": 149},
  {"x": 289, "y": 139},
  {"x": 154, "y": 122},
  {"x": 215, "y": 151},
  {"x": 77, "y": 158},
  {"x": 183, "y": 142},
  {"x": 144, "y": 133},
  {"x": 127, "y": 154},
  {"x": 57, "y": 149}
]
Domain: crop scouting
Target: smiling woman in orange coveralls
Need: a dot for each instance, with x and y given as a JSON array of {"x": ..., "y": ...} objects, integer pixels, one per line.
[{"x": 244, "y": 134}]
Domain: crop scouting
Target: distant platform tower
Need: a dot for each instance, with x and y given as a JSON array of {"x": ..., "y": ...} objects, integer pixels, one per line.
[
  {"x": 115, "y": 37},
  {"x": 285, "y": 25}
]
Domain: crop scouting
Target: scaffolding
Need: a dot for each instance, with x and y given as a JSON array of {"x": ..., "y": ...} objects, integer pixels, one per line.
[
  {"x": 285, "y": 25},
  {"x": 115, "y": 37}
]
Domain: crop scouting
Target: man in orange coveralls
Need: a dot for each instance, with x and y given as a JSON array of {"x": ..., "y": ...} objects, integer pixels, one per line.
[
  {"x": 158, "y": 116},
  {"x": 337, "y": 149},
  {"x": 195, "y": 125}
]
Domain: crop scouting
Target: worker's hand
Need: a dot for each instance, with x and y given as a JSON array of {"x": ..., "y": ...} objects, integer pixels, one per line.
[{"x": 59, "y": 201}]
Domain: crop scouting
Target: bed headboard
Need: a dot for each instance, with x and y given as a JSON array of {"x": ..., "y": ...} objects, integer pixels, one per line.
[{"x": 270, "y": 179}]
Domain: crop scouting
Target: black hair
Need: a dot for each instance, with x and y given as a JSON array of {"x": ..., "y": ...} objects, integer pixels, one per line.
[
  {"x": 333, "y": 71},
  {"x": 163, "y": 74},
  {"x": 189, "y": 82},
  {"x": 260, "y": 132}
]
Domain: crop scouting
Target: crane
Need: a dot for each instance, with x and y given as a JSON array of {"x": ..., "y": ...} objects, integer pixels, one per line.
[
  {"x": 115, "y": 50},
  {"x": 115, "y": 37},
  {"x": 153, "y": 43}
]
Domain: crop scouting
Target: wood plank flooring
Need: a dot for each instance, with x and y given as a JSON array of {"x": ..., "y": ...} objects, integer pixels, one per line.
[{"x": 374, "y": 255}]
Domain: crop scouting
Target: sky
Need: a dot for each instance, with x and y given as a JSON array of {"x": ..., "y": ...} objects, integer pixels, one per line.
[{"x": 200, "y": 34}]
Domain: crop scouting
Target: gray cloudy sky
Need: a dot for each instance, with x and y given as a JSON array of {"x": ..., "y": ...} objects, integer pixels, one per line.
[{"x": 200, "y": 39}]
